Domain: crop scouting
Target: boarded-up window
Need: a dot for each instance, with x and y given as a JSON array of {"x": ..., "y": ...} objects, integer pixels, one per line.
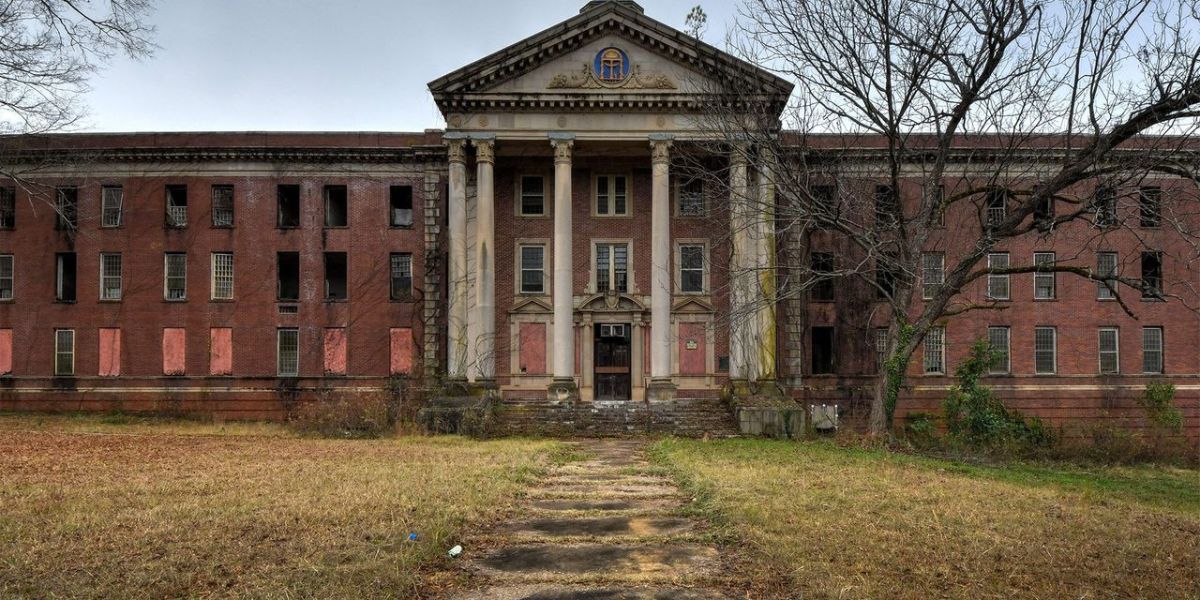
[
  {"x": 110, "y": 352},
  {"x": 533, "y": 348},
  {"x": 402, "y": 350},
  {"x": 335, "y": 351},
  {"x": 6, "y": 357},
  {"x": 174, "y": 348},
  {"x": 220, "y": 356},
  {"x": 692, "y": 349}
]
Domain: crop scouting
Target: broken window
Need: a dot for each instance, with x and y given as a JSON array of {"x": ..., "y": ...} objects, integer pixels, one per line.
[
  {"x": 401, "y": 266},
  {"x": 287, "y": 198},
  {"x": 66, "y": 208},
  {"x": 177, "y": 206},
  {"x": 112, "y": 200},
  {"x": 887, "y": 205},
  {"x": 222, "y": 206},
  {"x": 110, "y": 276},
  {"x": 287, "y": 267},
  {"x": 1152, "y": 275},
  {"x": 533, "y": 195},
  {"x": 1150, "y": 206},
  {"x": 822, "y": 351},
  {"x": 8, "y": 207},
  {"x": 336, "y": 209},
  {"x": 175, "y": 276},
  {"x": 1045, "y": 279},
  {"x": 64, "y": 277},
  {"x": 1105, "y": 205},
  {"x": 335, "y": 275},
  {"x": 822, "y": 272},
  {"x": 1043, "y": 212},
  {"x": 6, "y": 277},
  {"x": 997, "y": 208},
  {"x": 400, "y": 204}
]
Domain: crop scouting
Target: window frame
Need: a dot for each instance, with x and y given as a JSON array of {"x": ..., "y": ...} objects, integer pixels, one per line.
[
  {"x": 325, "y": 256},
  {"x": 544, "y": 246},
  {"x": 1162, "y": 345},
  {"x": 325, "y": 196},
  {"x": 823, "y": 290},
  {"x": 1106, "y": 212},
  {"x": 995, "y": 208},
  {"x": 213, "y": 277},
  {"x": 59, "y": 272},
  {"x": 926, "y": 284},
  {"x": 1148, "y": 294},
  {"x": 611, "y": 179},
  {"x": 279, "y": 197},
  {"x": 12, "y": 276},
  {"x": 1007, "y": 367},
  {"x": 66, "y": 215},
  {"x": 880, "y": 342},
  {"x": 59, "y": 352},
  {"x": 412, "y": 206},
  {"x": 120, "y": 276},
  {"x": 941, "y": 351},
  {"x": 105, "y": 208},
  {"x": 8, "y": 208},
  {"x": 994, "y": 278},
  {"x": 167, "y": 276},
  {"x": 215, "y": 191},
  {"x": 1150, "y": 219},
  {"x": 681, "y": 192},
  {"x": 1053, "y": 350},
  {"x": 173, "y": 220},
  {"x": 1039, "y": 275},
  {"x": 1115, "y": 351},
  {"x": 680, "y": 268},
  {"x": 630, "y": 288},
  {"x": 1105, "y": 291},
  {"x": 279, "y": 333},
  {"x": 405, "y": 295},
  {"x": 521, "y": 194}
]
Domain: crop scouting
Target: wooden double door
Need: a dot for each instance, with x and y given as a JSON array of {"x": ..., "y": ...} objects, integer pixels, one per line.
[{"x": 613, "y": 374}]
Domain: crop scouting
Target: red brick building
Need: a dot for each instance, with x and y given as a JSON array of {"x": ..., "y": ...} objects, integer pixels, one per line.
[{"x": 542, "y": 249}]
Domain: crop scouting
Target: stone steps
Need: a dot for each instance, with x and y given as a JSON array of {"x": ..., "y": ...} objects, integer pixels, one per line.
[{"x": 688, "y": 418}]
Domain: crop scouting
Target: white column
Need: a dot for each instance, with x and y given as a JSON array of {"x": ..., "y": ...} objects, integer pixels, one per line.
[
  {"x": 458, "y": 342},
  {"x": 740, "y": 274},
  {"x": 485, "y": 260},
  {"x": 564, "y": 270},
  {"x": 766, "y": 266},
  {"x": 660, "y": 260}
]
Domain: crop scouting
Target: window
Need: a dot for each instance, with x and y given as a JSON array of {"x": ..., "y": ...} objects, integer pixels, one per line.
[
  {"x": 1105, "y": 205},
  {"x": 222, "y": 206},
  {"x": 222, "y": 275},
  {"x": 612, "y": 267},
  {"x": 881, "y": 347},
  {"x": 64, "y": 352},
  {"x": 335, "y": 276},
  {"x": 691, "y": 198},
  {"x": 935, "y": 351},
  {"x": 66, "y": 208},
  {"x": 1045, "y": 350},
  {"x": 887, "y": 205},
  {"x": 1043, "y": 213},
  {"x": 1152, "y": 350},
  {"x": 112, "y": 198},
  {"x": 998, "y": 340},
  {"x": 1045, "y": 280},
  {"x": 612, "y": 196},
  {"x": 691, "y": 268},
  {"x": 400, "y": 204},
  {"x": 110, "y": 276},
  {"x": 886, "y": 274},
  {"x": 1152, "y": 275},
  {"x": 939, "y": 211},
  {"x": 336, "y": 210},
  {"x": 177, "y": 206},
  {"x": 64, "y": 277},
  {"x": 287, "y": 209},
  {"x": 933, "y": 273},
  {"x": 1150, "y": 206},
  {"x": 824, "y": 207},
  {"x": 287, "y": 351},
  {"x": 287, "y": 276},
  {"x": 823, "y": 362},
  {"x": 533, "y": 196},
  {"x": 401, "y": 265},
  {"x": 6, "y": 277},
  {"x": 175, "y": 275},
  {"x": 998, "y": 283},
  {"x": 1106, "y": 269},
  {"x": 8, "y": 208},
  {"x": 1110, "y": 362},
  {"x": 822, "y": 269},
  {"x": 533, "y": 269},
  {"x": 997, "y": 208}
]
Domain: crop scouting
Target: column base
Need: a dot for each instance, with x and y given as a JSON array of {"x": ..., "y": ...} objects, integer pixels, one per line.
[
  {"x": 483, "y": 388},
  {"x": 562, "y": 390},
  {"x": 660, "y": 390}
]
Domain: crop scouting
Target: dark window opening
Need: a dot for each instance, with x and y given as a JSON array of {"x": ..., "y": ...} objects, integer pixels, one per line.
[
  {"x": 335, "y": 275},
  {"x": 64, "y": 277},
  {"x": 887, "y": 205},
  {"x": 8, "y": 208},
  {"x": 1150, "y": 204},
  {"x": 886, "y": 271},
  {"x": 288, "y": 273},
  {"x": 177, "y": 203},
  {"x": 533, "y": 195},
  {"x": 222, "y": 206},
  {"x": 400, "y": 204},
  {"x": 824, "y": 207},
  {"x": 336, "y": 209},
  {"x": 997, "y": 208},
  {"x": 1105, "y": 205},
  {"x": 66, "y": 208},
  {"x": 288, "y": 200},
  {"x": 822, "y": 270},
  {"x": 1152, "y": 275},
  {"x": 822, "y": 351},
  {"x": 1043, "y": 213}
]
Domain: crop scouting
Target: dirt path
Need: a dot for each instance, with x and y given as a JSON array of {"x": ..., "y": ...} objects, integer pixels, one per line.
[{"x": 607, "y": 528}]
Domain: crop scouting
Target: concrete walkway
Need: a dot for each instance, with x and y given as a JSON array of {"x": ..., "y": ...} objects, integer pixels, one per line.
[{"x": 607, "y": 528}]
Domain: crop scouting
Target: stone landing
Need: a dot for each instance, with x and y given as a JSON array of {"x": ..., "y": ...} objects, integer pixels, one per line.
[
  {"x": 684, "y": 417},
  {"x": 607, "y": 528}
]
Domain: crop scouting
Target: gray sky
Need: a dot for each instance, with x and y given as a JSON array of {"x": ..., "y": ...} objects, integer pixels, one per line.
[{"x": 322, "y": 65}]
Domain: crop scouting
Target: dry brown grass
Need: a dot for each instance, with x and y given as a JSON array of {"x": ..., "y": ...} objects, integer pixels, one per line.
[
  {"x": 817, "y": 521},
  {"x": 169, "y": 509}
]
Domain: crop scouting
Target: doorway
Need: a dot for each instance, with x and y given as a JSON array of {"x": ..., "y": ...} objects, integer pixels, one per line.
[{"x": 613, "y": 373}]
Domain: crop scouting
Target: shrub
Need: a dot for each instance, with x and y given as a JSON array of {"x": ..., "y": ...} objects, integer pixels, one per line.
[
  {"x": 975, "y": 417},
  {"x": 1161, "y": 413},
  {"x": 921, "y": 429},
  {"x": 347, "y": 414}
]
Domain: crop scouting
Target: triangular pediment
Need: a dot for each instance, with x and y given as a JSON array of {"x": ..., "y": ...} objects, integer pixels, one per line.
[
  {"x": 690, "y": 304},
  {"x": 531, "y": 306},
  {"x": 611, "y": 50}
]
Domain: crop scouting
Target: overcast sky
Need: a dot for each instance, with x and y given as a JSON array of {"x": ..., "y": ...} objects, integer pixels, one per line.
[{"x": 322, "y": 65}]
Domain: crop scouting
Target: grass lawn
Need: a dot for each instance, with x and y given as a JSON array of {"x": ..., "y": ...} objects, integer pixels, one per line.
[
  {"x": 814, "y": 520},
  {"x": 94, "y": 507}
]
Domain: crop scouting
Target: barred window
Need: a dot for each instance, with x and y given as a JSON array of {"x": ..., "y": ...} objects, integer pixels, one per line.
[
  {"x": 222, "y": 276},
  {"x": 1106, "y": 269},
  {"x": 935, "y": 351},
  {"x": 999, "y": 340},
  {"x": 533, "y": 269},
  {"x": 288, "y": 352},
  {"x": 533, "y": 195},
  {"x": 110, "y": 276},
  {"x": 1045, "y": 351},
  {"x": 933, "y": 273},
  {"x": 66, "y": 208},
  {"x": 175, "y": 275},
  {"x": 112, "y": 200},
  {"x": 1152, "y": 350},
  {"x": 691, "y": 198},
  {"x": 177, "y": 206},
  {"x": 6, "y": 277},
  {"x": 612, "y": 195},
  {"x": 1150, "y": 206},
  {"x": 612, "y": 267},
  {"x": 1044, "y": 279},
  {"x": 997, "y": 208},
  {"x": 691, "y": 268},
  {"x": 881, "y": 347},
  {"x": 1109, "y": 351},
  {"x": 998, "y": 283},
  {"x": 401, "y": 267},
  {"x": 222, "y": 206},
  {"x": 8, "y": 207},
  {"x": 64, "y": 352}
]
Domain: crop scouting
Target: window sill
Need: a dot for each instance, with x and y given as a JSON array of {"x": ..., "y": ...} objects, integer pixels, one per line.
[
  {"x": 337, "y": 227},
  {"x": 999, "y": 299},
  {"x": 1045, "y": 299},
  {"x": 103, "y": 227},
  {"x": 222, "y": 227},
  {"x": 175, "y": 300},
  {"x": 400, "y": 226},
  {"x": 336, "y": 300},
  {"x": 110, "y": 300},
  {"x": 287, "y": 301},
  {"x": 222, "y": 300},
  {"x": 1154, "y": 300},
  {"x": 58, "y": 301},
  {"x": 533, "y": 216},
  {"x": 404, "y": 300},
  {"x": 287, "y": 228}
]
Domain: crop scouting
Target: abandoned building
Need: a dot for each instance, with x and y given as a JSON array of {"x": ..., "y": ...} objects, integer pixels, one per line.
[{"x": 543, "y": 249}]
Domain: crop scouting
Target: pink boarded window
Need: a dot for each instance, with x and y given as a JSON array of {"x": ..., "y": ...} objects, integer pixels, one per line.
[
  {"x": 335, "y": 351},
  {"x": 533, "y": 348},
  {"x": 174, "y": 350},
  {"x": 220, "y": 351},
  {"x": 402, "y": 350},
  {"x": 110, "y": 352},
  {"x": 691, "y": 349},
  {"x": 6, "y": 357}
]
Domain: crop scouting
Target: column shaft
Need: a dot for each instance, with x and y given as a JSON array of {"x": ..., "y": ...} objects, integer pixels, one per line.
[
  {"x": 564, "y": 271},
  {"x": 766, "y": 267},
  {"x": 740, "y": 274},
  {"x": 660, "y": 260},
  {"x": 458, "y": 342},
  {"x": 485, "y": 261}
]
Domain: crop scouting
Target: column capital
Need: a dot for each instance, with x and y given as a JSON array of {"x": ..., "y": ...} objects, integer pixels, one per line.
[
  {"x": 562, "y": 147},
  {"x": 660, "y": 148},
  {"x": 485, "y": 150},
  {"x": 456, "y": 150}
]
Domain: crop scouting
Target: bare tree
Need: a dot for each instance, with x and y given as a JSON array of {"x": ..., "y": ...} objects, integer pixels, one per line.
[{"x": 926, "y": 135}]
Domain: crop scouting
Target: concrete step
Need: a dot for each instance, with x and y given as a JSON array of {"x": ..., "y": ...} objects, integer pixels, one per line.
[
  {"x": 599, "y": 527},
  {"x": 572, "y": 592},
  {"x": 631, "y": 562}
]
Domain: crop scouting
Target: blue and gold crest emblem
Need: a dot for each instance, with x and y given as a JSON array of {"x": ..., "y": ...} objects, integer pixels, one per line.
[{"x": 611, "y": 65}]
